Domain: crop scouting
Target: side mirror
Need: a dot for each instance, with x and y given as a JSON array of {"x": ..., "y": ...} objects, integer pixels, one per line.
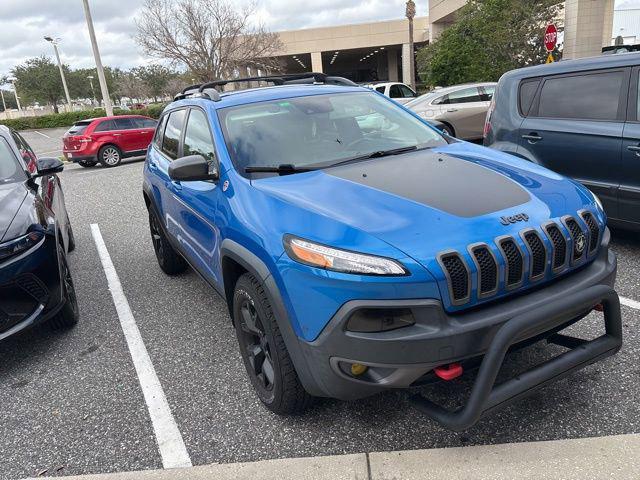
[
  {"x": 193, "y": 167},
  {"x": 48, "y": 166}
]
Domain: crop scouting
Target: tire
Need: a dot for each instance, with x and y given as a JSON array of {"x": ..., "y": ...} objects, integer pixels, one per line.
[
  {"x": 87, "y": 163},
  {"x": 169, "y": 260},
  {"x": 448, "y": 130},
  {"x": 69, "y": 314},
  {"x": 110, "y": 156},
  {"x": 72, "y": 240},
  {"x": 264, "y": 352}
]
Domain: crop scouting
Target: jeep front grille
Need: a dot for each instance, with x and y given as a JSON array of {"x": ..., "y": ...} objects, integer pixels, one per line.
[
  {"x": 487, "y": 269},
  {"x": 502, "y": 266},
  {"x": 514, "y": 262},
  {"x": 575, "y": 231},
  {"x": 559, "y": 246},
  {"x": 457, "y": 277},
  {"x": 537, "y": 254},
  {"x": 594, "y": 230}
]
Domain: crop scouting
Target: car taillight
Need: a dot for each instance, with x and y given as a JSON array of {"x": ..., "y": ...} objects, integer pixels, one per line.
[{"x": 487, "y": 121}]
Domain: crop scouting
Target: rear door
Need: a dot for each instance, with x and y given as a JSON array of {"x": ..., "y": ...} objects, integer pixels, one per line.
[
  {"x": 465, "y": 110},
  {"x": 145, "y": 127},
  {"x": 629, "y": 190},
  {"x": 128, "y": 136},
  {"x": 574, "y": 127}
]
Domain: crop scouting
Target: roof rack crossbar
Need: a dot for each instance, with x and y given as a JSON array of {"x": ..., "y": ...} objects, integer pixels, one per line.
[{"x": 282, "y": 79}]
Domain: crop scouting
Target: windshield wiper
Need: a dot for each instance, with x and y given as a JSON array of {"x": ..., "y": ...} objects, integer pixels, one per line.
[
  {"x": 282, "y": 169},
  {"x": 376, "y": 154}
]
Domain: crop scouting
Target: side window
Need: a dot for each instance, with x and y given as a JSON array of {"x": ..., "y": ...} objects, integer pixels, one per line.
[
  {"x": 487, "y": 92},
  {"x": 443, "y": 100},
  {"x": 395, "y": 92},
  {"x": 26, "y": 152},
  {"x": 124, "y": 124},
  {"x": 406, "y": 91},
  {"x": 172, "y": 133},
  {"x": 564, "y": 97},
  {"x": 157, "y": 138},
  {"x": 466, "y": 95},
  {"x": 105, "y": 126},
  {"x": 146, "y": 123},
  {"x": 380, "y": 89},
  {"x": 197, "y": 137},
  {"x": 528, "y": 90}
]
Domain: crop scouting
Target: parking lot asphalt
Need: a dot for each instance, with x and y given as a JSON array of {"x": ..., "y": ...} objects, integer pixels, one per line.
[{"x": 72, "y": 401}]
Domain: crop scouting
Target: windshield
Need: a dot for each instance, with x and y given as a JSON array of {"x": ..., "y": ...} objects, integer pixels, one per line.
[
  {"x": 10, "y": 169},
  {"x": 319, "y": 129}
]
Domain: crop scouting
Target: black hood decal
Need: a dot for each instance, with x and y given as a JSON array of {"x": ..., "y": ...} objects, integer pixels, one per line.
[{"x": 458, "y": 187}]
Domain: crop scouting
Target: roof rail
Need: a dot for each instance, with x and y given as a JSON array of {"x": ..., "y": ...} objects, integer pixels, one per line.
[{"x": 208, "y": 89}]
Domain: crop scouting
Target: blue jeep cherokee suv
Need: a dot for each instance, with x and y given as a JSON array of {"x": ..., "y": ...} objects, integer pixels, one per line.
[{"x": 358, "y": 249}]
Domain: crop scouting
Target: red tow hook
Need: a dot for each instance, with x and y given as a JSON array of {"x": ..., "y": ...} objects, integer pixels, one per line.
[{"x": 448, "y": 372}]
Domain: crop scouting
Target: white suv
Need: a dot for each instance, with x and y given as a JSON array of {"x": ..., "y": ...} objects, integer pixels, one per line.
[{"x": 400, "y": 92}]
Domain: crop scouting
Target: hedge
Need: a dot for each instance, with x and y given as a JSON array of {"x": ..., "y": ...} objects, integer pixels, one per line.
[{"x": 68, "y": 119}]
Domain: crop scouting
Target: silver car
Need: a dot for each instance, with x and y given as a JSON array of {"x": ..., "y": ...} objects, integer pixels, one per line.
[{"x": 461, "y": 108}]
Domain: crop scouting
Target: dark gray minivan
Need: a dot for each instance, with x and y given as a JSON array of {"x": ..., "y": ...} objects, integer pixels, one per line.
[{"x": 580, "y": 118}]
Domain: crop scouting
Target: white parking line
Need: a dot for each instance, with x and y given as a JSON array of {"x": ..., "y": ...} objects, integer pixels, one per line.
[
  {"x": 40, "y": 133},
  {"x": 630, "y": 303},
  {"x": 172, "y": 449}
]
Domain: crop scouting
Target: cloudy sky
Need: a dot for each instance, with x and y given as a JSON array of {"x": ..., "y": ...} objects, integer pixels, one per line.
[{"x": 23, "y": 23}]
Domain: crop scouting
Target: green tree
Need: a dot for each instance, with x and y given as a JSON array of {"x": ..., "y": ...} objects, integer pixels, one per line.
[
  {"x": 38, "y": 80},
  {"x": 489, "y": 38},
  {"x": 155, "y": 78}
]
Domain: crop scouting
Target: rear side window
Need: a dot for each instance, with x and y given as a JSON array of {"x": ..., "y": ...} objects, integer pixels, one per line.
[
  {"x": 564, "y": 97},
  {"x": 487, "y": 92},
  {"x": 467, "y": 95},
  {"x": 172, "y": 133},
  {"x": 144, "y": 123},
  {"x": 527, "y": 92},
  {"x": 124, "y": 124},
  {"x": 105, "y": 126},
  {"x": 380, "y": 89}
]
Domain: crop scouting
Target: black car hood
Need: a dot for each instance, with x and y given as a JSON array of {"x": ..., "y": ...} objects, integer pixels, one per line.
[{"x": 12, "y": 196}]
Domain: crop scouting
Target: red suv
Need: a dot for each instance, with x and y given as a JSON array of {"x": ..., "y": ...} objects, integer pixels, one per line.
[{"x": 108, "y": 139}]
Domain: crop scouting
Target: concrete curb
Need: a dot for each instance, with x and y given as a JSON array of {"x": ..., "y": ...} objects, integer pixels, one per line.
[{"x": 614, "y": 457}]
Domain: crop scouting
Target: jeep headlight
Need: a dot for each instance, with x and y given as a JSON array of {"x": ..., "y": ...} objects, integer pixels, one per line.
[
  {"x": 329, "y": 258},
  {"x": 20, "y": 244}
]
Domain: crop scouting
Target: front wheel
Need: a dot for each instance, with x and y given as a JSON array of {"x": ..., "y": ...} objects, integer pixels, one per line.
[
  {"x": 110, "y": 156},
  {"x": 263, "y": 350},
  {"x": 69, "y": 314},
  {"x": 448, "y": 130},
  {"x": 169, "y": 260}
]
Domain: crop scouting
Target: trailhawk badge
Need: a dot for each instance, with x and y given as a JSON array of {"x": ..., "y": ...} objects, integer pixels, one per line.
[{"x": 581, "y": 242}]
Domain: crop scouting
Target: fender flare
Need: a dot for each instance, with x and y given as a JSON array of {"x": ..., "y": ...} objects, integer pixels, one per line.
[{"x": 254, "y": 265}]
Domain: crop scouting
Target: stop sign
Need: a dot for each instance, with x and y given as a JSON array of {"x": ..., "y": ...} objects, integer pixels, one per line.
[{"x": 550, "y": 37}]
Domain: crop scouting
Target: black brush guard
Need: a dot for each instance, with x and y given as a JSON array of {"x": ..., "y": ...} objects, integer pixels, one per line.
[{"x": 486, "y": 396}]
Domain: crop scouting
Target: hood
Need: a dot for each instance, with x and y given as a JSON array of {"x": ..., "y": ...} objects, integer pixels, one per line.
[
  {"x": 12, "y": 196},
  {"x": 428, "y": 201}
]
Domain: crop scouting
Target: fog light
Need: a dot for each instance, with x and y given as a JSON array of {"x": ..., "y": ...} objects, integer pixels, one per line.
[
  {"x": 380, "y": 319},
  {"x": 358, "y": 369}
]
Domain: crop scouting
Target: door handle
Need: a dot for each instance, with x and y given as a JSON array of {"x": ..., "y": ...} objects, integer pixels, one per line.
[
  {"x": 451, "y": 110},
  {"x": 117, "y": 134},
  {"x": 634, "y": 148},
  {"x": 532, "y": 137}
]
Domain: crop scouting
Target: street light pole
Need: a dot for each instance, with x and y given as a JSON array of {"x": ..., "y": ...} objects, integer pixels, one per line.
[
  {"x": 54, "y": 42},
  {"x": 96, "y": 56},
  {"x": 15, "y": 92},
  {"x": 410, "y": 14},
  {"x": 93, "y": 93}
]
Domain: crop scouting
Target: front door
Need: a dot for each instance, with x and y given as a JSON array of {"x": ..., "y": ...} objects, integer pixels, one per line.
[
  {"x": 575, "y": 128},
  {"x": 191, "y": 213}
]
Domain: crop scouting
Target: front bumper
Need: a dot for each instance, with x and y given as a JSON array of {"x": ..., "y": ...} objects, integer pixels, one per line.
[
  {"x": 400, "y": 358},
  {"x": 30, "y": 287}
]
